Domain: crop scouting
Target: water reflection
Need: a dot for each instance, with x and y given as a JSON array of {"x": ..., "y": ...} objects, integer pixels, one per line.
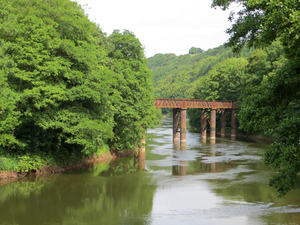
[
  {"x": 78, "y": 199},
  {"x": 181, "y": 168},
  {"x": 183, "y": 162},
  {"x": 197, "y": 182},
  {"x": 233, "y": 171},
  {"x": 213, "y": 154}
]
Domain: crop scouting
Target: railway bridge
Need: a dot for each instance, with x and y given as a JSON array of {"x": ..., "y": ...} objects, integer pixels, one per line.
[{"x": 180, "y": 106}]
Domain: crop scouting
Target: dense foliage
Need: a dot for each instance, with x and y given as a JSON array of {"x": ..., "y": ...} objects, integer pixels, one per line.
[
  {"x": 133, "y": 90},
  {"x": 273, "y": 105},
  {"x": 265, "y": 82},
  {"x": 66, "y": 89},
  {"x": 176, "y": 76},
  {"x": 228, "y": 79}
]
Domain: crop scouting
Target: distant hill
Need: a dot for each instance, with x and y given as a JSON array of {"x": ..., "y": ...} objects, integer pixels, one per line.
[
  {"x": 216, "y": 74},
  {"x": 176, "y": 76}
]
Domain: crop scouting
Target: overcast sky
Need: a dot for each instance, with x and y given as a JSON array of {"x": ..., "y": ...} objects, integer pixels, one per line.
[{"x": 162, "y": 26}]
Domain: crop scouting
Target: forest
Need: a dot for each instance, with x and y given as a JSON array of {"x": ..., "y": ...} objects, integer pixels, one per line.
[
  {"x": 67, "y": 90},
  {"x": 258, "y": 68},
  {"x": 217, "y": 74}
]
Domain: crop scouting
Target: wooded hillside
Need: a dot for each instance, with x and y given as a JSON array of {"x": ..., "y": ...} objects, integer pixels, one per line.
[
  {"x": 264, "y": 81},
  {"x": 217, "y": 74}
]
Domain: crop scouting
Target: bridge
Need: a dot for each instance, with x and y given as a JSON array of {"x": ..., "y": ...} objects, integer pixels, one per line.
[{"x": 180, "y": 106}]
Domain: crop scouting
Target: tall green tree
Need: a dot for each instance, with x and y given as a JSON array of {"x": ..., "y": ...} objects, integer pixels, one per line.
[
  {"x": 272, "y": 106},
  {"x": 53, "y": 86},
  {"x": 133, "y": 90}
]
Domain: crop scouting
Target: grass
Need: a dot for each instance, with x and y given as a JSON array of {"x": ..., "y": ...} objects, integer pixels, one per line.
[
  {"x": 8, "y": 164},
  {"x": 100, "y": 151}
]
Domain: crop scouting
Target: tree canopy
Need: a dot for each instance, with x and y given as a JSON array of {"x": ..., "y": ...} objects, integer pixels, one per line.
[
  {"x": 194, "y": 50},
  {"x": 133, "y": 89},
  {"x": 177, "y": 76},
  {"x": 260, "y": 22},
  {"x": 63, "y": 82},
  {"x": 272, "y": 105}
]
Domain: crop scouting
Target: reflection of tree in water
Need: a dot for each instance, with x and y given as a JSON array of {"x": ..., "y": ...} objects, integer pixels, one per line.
[
  {"x": 251, "y": 186},
  {"x": 122, "y": 166},
  {"x": 80, "y": 198}
]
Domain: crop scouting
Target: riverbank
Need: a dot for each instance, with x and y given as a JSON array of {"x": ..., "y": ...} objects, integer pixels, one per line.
[
  {"x": 104, "y": 158},
  {"x": 7, "y": 176}
]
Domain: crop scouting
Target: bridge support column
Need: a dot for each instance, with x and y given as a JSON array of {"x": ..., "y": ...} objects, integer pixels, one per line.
[
  {"x": 223, "y": 123},
  {"x": 176, "y": 125},
  {"x": 233, "y": 124},
  {"x": 183, "y": 125},
  {"x": 203, "y": 124},
  {"x": 213, "y": 124}
]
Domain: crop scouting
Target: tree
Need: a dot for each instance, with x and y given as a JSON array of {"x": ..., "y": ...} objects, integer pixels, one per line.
[
  {"x": 54, "y": 98},
  {"x": 272, "y": 106},
  {"x": 260, "y": 22},
  {"x": 176, "y": 76},
  {"x": 133, "y": 90},
  {"x": 194, "y": 50},
  {"x": 224, "y": 82}
]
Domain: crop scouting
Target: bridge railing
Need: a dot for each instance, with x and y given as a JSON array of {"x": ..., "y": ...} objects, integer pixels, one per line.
[{"x": 192, "y": 103}]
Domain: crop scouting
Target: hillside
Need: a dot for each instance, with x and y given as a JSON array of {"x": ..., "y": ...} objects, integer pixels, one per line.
[
  {"x": 216, "y": 74},
  {"x": 176, "y": 76}
]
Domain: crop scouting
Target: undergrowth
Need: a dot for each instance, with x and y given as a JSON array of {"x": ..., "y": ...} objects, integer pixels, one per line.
[
  {"x": 30, "y": 162},
  {"x": 8, "y": 164},
  {"x": 21, "y": 164}
]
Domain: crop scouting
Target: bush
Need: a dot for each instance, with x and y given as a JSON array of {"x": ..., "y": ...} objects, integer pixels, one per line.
[{"x": 27, "y": 163}]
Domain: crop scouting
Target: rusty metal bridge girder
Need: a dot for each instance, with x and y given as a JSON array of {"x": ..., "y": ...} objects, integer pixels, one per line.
[{"x": 192, "y": 103}]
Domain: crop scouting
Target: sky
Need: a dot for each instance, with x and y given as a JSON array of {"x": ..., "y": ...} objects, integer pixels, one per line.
[{"x": 162, "y": 26}]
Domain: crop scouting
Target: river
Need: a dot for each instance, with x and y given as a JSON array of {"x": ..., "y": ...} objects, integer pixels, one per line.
[{"x": 197, "y": 183}]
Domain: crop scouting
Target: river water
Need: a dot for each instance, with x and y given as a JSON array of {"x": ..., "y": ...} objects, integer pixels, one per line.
[{"x": 197, "y": 183}]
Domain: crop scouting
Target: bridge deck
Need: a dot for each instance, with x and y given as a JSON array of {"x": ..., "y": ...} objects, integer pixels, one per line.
[{"x": 192, "y": 103}]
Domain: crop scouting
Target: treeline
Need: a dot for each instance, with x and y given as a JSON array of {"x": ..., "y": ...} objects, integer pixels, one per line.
[
  {"x": 272, "y": 106},
  {"x": 262, "y": 76},
  {"x": 217, "y": 75},
  {"x": 67, "y": 90},
  {"x": 177, "y": 76}
]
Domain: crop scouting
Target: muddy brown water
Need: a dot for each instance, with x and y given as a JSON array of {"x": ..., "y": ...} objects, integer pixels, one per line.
[{"x": 197, "y": 183}]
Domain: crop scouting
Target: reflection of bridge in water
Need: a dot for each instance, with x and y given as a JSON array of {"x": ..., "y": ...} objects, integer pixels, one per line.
[
  {"x": 180, "y": 105},
  {"x": 208, "y": 151}
]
